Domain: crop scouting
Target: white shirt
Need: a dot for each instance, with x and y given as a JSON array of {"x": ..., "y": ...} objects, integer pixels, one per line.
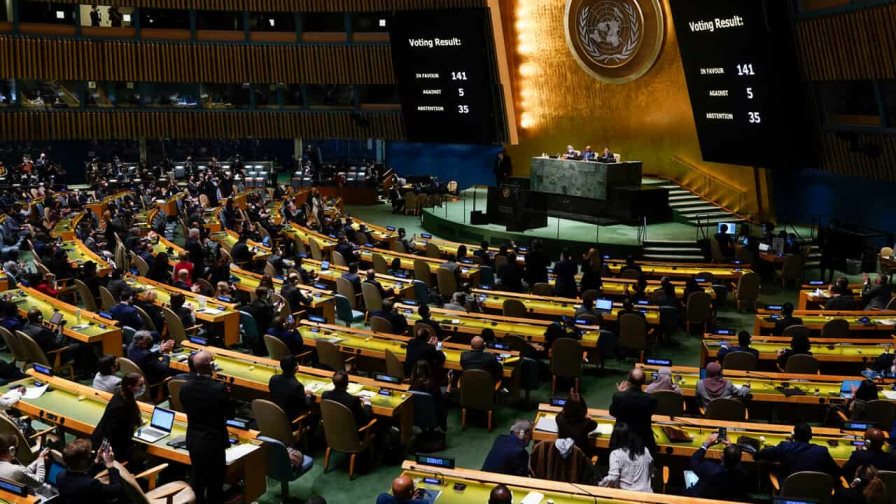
[
  {"x": 106, "y": 383},
  {"x": 629, "y": 474}
]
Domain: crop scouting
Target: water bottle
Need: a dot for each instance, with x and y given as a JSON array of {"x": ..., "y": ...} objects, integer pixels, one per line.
[
  {"x": 78, "y": 316},
  {"x": 202, "y": 302}
]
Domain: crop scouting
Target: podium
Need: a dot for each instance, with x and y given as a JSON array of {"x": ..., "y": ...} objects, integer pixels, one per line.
[{"x": 517, "y": 209}]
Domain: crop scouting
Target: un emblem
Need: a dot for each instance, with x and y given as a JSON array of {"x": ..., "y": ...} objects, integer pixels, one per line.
[{"x": 615, "y": 41}]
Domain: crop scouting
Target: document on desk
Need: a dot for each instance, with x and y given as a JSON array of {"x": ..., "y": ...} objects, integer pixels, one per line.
[
  {"x": 533, "y": 498},
  {"x": 239, "y": 451},
  {"x": 34, "y": 392},
  {"x": 547, "y": 424},
  {"x": 890, "y": 394}
]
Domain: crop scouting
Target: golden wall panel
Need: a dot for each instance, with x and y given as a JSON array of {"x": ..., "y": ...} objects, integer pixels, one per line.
[
  {"x": 648, "y": 119},
  {"x": 115, "y": 60},
  {"x": 296, "y": 5},
  {"x": 88, "y": 125}
]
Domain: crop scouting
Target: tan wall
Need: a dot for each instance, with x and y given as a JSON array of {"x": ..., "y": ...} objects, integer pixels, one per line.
[{"x": 649, "y": 119}]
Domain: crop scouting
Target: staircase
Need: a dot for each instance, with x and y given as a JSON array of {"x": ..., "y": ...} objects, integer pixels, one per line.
[
  {"x": 690, "y": 208},
  {"x": 672, "y": 251}
]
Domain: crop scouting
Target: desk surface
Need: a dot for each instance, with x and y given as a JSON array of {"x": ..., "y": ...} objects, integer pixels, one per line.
[
  {"x": 554, "y": 306},
  {"x": 815, "y": 320},
  {"x": 699, "y": 429},
  {"x": 824, "y": 349},
  {"x": 467, "y": 271},
  {"x": 478, "y": 485}
]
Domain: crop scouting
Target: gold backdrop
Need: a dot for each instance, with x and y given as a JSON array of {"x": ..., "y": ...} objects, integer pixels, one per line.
[{"x": 649, "y": 119}]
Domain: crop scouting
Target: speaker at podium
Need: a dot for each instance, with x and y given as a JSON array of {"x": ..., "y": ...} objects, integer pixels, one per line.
[{"x": 516, "y": 208}]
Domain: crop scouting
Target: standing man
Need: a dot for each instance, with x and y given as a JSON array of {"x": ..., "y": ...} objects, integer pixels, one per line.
[
  {"x": 635, "y": 407},
  {"x": 503, "y": 168},
  {"x": 207, "y": 405}
]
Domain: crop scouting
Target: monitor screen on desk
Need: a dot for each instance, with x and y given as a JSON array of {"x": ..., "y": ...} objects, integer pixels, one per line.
[{"x": 732, "y": 228}]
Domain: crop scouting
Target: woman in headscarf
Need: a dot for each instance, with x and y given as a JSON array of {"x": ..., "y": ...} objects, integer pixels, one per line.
[
  {"x": 714, "y": 386},
  {"x": 663, "y": 381}
]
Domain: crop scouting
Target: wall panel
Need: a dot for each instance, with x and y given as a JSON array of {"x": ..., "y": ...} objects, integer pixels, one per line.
[{"x": 296, "y": 5}]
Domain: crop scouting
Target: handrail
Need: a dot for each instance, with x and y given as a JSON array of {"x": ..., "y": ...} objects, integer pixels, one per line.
[{"x": 705, "y": 173}]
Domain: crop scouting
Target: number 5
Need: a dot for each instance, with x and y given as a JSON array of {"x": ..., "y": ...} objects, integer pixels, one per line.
[{"x": 750, "y": 93}]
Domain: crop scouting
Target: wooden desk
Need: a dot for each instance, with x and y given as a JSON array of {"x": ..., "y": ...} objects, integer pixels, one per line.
[
  {"x": 162, "y": 244},
  {"x": 305, "y": 235},
  {"x": 77, "y": 408},
  {"x": 223, "y": 318},
  {"x": 814, "y": 298},
  {"x": 169, "y": 205},
  {"x": 472, "y": 324},
  {"x": 478, "y": 484},
  {"x": 78, "y": 254},
  {"x": 699, "y": 429},
  {"x": 321, "y": 300},
  {"x": 554, "y": 306},
  {"x": 228, "y": 239},
  {"x": 91, "y": 328},
  {"x": 677, "y": 270},
  {"x": 882, "y": 322},
  {"x": 468, "y": 272},
  {"x": 372, "y": 344},
  {"x": 858, "y": 353},
  {"x": 253, "y": 374},
  {"x": 99, "y": 207}
]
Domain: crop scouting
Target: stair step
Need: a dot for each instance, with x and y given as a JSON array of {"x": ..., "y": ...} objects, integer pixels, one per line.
[
  {"x": 682, "y": 250},
  {"x": 671, "y": 186},
  {"x": 674, "y": 257},
  {"x": 680, "y": 192},
  {"x": 691, "y": 207},
  {"x": 668, "y": 243},
  {"x": 683, "y": 198},
  {"x": 714, "y": 221},
  {"x": 704, "y": 214}
]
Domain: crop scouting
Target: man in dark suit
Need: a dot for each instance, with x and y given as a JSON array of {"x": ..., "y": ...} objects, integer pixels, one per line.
[
  {"x": 360, "y": 408},
  {"x": 345, "y": 248},
  {"x": 399, "y": 323},
  {"x": 606, "y": 156},
  {"x": 193, "y": 245},
  {"x": 262, "y": 310},
  {"x": 155, "y": 365},
  {"x": 799, "y": 455},
  {"x": 841, "y": 302},
  {"x": 371, "y": 279},
  {"x": 422, "y": 347},
  {"x": 483, "y": 254},
  {"x": 207, "y": 405},
  {"x": 79, "y": 483},
  {"x": 877, "y": 295},
  {"x": 635, "y": 407},
  {"x": 293, "y": 294},
  {"x": 125, "y": 312},
  {"x": 47, "y": 340},
  {"x": 511, "y": 275},
  {"x": 352, "y": 276},
  {"x": 426, "y": 318},
  {"x": 240, "y": 251},
  {"x": 503, "y": 167},
  {"x": 743, "y": 345},
  {"x": 478, "y": 358},
  {"x": 726, "y": 247},
  {"x": 287, "y": 392},
  {"x": 508, "y": 454},
  {"x": 872, "y": 454},
  {"x": 725, "y": 481},
  {"x": 787, "y": 319}
]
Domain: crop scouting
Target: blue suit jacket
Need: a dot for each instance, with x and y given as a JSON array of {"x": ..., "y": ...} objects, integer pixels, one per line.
[
  {"x": 507, "y": 456},
  {"x": 795, "y": 457},
  {"x": 127, "y": 315}
]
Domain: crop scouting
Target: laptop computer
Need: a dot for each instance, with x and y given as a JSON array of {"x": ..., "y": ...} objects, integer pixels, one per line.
[
  {"x": 159, "y": 426},
  {"x": 604, "y": 305},
  {"x": 764, "y": 247}
]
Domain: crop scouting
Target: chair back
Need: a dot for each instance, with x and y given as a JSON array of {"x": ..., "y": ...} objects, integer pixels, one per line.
[
  {"x": 30, "y": 347},
  {"x": 86, "y": 296},
  {"x": 430, "y": 330},
  {"x": 107, "y": 300},
  {"x": 668, "y": 403},
  {"x": 338, "y": 258},
  {"x": 174, "y": 394},
  {"x": 792, "y": 267},
  {"x": 316, "y": 253},
  {"x": 140, "y": 264},
  {"x": 23, "y": 453},
  {"x": 339, "y": 427},
  {"x": 725, "y": 408},
  {"x": 16, "y": 348},
  {"x": 447, "y": 282},
  {"x": 284, "y": 311},
  {"x": 128, "y": 366},
  {"x": 379, "y": 263},
  {"x": 796, "y": 330},
  {"x": 744, "y": 255},
  {"x": 486, "y": 275},
  {"x": 837, "y": 328},
  {"x": 810, "y": 485},
  {"x": 889, "y": 479},
  {"x": 548, "y": 463},
  {"x": 248, "y": 326},
  {"x": 272, "y": 421},
  {"x": 801, "y": 364},
  {"x": 881, "y": 412},
  {"x": 632, "y": 332},
  {"x": 748, "y": 287},
  {"x": 566, "y": 358},
  {"x": 425, "y": 416},
  {"x": 421, "y": 292},
  {"x": 344, "y": 309},
  {"x": 133, "y": 492},
  {"x": 432, "y": 250},
  {"x": 699, "y": 307},
  {"x": 740, "y": 361},
  {"x": 381, "y": 325},
  {"x": 347, "y": 290},
  {"x": 669, "y": 319},
  {"x": 329, "y": 355},
  {"x": 373, "y": 300},
  {"x": 206, "y": 288},
  {"x": 397, "y": 246},
  {"x": 270, "y": 270},
  {"x": 176, "y": 329},
  {"x": 423, "y": 272},
  {"x": 716, "y": 250},
  {"x": 148, "y": 323},
  {"x": 279, "y": 466},
  {"x": 394, "y": 367},
  {"x": 542, "y": 289},
  {"x": 514, "y": 308},
  {"x": 277, "y": 349},
  {"x": 477, "y": 391}
]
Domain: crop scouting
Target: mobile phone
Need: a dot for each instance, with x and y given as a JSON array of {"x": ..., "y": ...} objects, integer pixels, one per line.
[
  {"x": 832, "y": 443},
  {"x": 723, "y": 433}
]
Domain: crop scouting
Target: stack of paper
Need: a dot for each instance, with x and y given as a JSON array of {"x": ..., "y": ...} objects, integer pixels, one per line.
[
  {"x": 533, "y": 498},
  {"x": 547, "y": 424}
]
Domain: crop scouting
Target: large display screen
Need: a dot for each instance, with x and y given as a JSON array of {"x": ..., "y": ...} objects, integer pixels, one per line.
[
  {"x": 447, "y": 79},
  {"x": 742, "y": 76}
]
